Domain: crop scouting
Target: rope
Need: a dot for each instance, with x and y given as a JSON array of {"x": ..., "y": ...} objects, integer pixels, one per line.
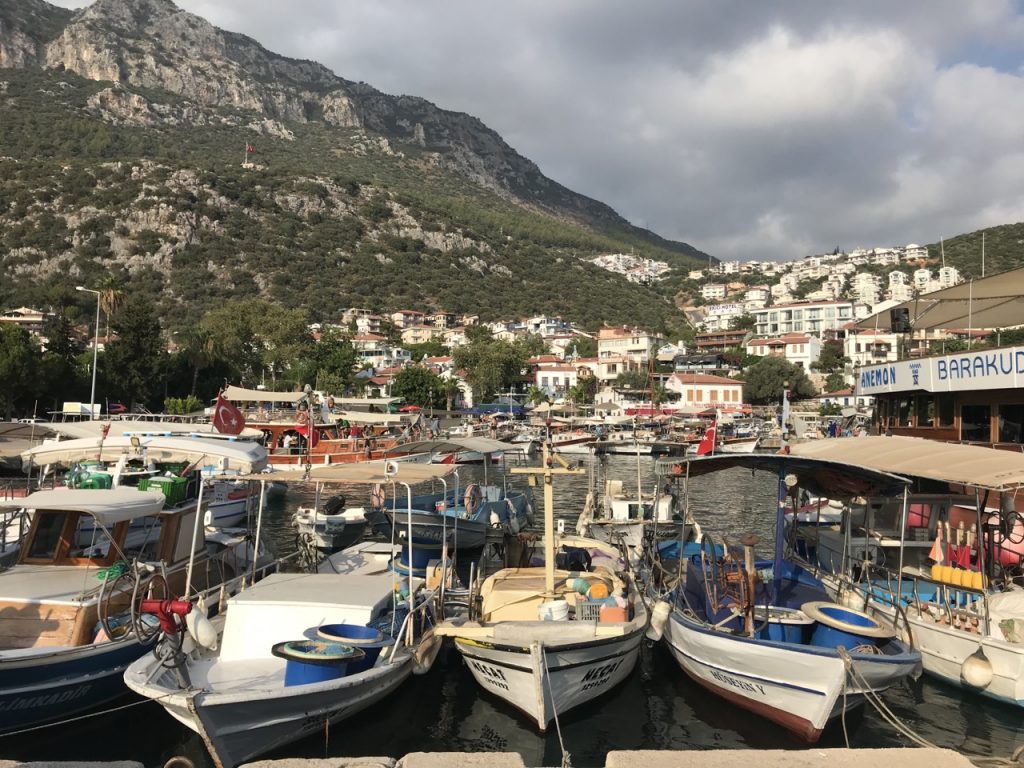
[
  {"x": 1014, "y": 761},
  {"x": 104, "y": 574},
  {"x": 566, "y": 757}
]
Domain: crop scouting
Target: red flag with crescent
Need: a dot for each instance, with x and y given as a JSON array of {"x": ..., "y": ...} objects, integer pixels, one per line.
[
  {"x": 303, "y": 429},
  {"x": 227, "y": 419},
  {"x": 707, "y": 443}
]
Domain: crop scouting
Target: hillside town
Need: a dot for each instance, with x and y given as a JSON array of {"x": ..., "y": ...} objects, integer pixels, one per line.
[{"x": 741, "y": 313}]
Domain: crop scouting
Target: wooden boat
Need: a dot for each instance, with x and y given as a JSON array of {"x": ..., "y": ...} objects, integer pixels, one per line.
[
  {"x": 765, "y": 636},
  {"x": 919, "y": 559},
  {"x": 69, "y": 621},
  {"x": 298, "y": 652},
  {"x": 552, "y": 638}
]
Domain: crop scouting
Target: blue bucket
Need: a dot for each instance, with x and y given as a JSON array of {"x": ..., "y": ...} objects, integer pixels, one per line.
[
  {"x": 422, "y": 554},
  {"x": 837, "y": 625},
  {"x": 785, "y": 625},
  {"x": 315, "y": 661},
  {"x": 371, "y": 641}
]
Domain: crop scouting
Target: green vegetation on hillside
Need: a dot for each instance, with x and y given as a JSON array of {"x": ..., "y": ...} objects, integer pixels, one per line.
[
  {"x": 1004, "y": 250},
  {"x": 325, "y": 221}
]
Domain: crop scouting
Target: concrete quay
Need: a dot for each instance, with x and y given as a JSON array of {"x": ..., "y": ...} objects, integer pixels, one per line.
[{"x": 696, "y": 758}]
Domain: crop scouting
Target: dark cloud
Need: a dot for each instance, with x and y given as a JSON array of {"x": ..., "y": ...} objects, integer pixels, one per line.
[{"x": 751, "y": 130}]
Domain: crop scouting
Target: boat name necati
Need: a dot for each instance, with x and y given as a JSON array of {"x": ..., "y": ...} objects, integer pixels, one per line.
[
  {"x": 599, "y": 675},
  {"x": 491, "y": 675}
]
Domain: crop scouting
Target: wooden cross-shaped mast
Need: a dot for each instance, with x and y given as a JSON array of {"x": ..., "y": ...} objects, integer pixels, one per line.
[{"x": 547, "y": 471}]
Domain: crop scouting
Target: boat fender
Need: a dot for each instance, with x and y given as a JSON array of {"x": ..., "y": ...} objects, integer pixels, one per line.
[
  {"x": 426, "y": 652},
  {"x": 201, "y": 629},
  {"x": 976, "y": 670},
  {"x": 495, "y": 519},
  {"x": 513, "y": 518},
  {"x": 659, "y": 618},
  {"x": 473, "y": 498}
]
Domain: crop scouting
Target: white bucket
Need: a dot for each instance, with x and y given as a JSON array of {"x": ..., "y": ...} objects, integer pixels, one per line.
[{"x": 556, "y": 610}]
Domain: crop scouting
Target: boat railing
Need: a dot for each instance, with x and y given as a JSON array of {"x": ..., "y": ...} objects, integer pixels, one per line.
[
  {"x": 407, "y": 631},
  {"x": 952, "y": 599}
]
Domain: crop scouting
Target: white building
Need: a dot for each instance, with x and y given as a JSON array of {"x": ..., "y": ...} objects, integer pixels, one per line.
[
  {"x": 700, "y": 391},
  {"x": 799, "y": 348},
  {"x": 870, "y": 346},
  {"x": 713, "y": 291},
  {"x": 805, "y": 317},
  {"x": 948, "y": 277},
  {"x": 719, "y": 317},
  {"x": 555, "y": 380}
]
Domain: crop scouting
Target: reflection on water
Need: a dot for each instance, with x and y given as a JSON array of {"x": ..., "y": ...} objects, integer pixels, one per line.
[{"x": 656, "y": 708}]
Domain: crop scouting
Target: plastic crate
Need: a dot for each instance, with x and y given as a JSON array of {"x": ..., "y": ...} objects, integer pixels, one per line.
[
  {"x": 174, "y": 489},
  {"x": 587, "y": 611}
]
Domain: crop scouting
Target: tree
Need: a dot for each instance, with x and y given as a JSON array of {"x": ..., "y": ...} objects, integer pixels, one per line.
[
  {"x": 631, "y": 380},
  {"x": 330, "y": 363},
  {"x": 532, "y": 345},
  {"x": 18, "y": 367},
  {"x": 418, "y": 386},
  {"x": 111, "y": 288},
  {"x": 449, "y": 391},
  {"x": 765, "y": 380},
  {"x": 583, "y": 346},
  {"x": 491, "y": 365},
  {"x": 201, "y": 349},
  {"x": 832, "y": 358},
  {"x": 432, "y": 348},
  {"x": 835, "y": 382},
  {"x": 744, "y": 322},
  {"x": 584, "y": 390},
  {"x": 134, "y": 362}
]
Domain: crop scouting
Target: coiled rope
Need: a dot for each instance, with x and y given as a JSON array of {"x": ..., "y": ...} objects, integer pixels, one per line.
[{"x": 1013, "y": 761}]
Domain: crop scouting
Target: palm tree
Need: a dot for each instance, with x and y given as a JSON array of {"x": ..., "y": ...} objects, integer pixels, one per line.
[
  {"x": 449, "y": 388},
  {"x": 536, "y": 396},
  {"x": 110, "y": 286},
  {"x": 201, "y": 349}
]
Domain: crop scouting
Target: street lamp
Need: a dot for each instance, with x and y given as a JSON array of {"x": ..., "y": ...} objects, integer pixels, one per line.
[{"x": 95, "y": 350}]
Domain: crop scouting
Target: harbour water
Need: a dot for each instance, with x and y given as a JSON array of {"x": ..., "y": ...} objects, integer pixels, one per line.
[{"x": 656, "y": 708}]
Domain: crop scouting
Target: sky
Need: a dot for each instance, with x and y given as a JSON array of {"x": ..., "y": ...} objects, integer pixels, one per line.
[{"x": 751, "y": 130}]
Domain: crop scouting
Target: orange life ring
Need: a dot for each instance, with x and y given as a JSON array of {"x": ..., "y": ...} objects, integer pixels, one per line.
[
  {"x": 473, "y": 498},
  {"x": 377, "y": 497},
  {"x": 302, "y": 417}
]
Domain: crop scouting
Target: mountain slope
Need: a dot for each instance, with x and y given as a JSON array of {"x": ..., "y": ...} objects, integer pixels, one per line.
[
  {"x": 1003, "y": 248},
  {"x": 355, "y": 197}
]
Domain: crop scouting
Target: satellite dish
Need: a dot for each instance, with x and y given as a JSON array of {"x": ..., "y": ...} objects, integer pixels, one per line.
[{"x": 390, "y": 468}]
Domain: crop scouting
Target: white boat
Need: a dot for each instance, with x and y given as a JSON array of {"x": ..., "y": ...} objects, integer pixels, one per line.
[
  {"x": 765, "y": 636},
  {"x": 283, "y": 667},
  {"x": 329, "y": 529},
  {"x": 620, "y": 518},
  {"x": 965, "y": 614},
  {"x": 552, "y": 638}
]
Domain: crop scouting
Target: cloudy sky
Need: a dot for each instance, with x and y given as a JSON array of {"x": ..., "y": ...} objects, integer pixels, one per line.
[{"x": 747, "y": 129}]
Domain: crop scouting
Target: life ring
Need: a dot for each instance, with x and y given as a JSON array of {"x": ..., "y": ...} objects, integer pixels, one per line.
[
  {"x": 378, "y": 496},
  {"x": 302, "y": 417},
  {"x": 473, "y": 498}
]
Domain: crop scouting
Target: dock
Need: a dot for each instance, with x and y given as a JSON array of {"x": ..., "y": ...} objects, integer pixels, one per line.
[{"x": 696, "y": 758}]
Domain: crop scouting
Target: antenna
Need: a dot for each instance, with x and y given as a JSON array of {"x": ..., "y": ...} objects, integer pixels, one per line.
[
  {"x": 982, "y": 254},
  {"x": 942, "y": 250}
]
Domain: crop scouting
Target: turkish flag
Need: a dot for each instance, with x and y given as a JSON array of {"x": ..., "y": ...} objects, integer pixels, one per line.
[
  {"x": 707, "y": 443},
  {"x": 227, "y": 419},
  {"x": 250, "y": 149},
  {"x": 303, "y": 430}
]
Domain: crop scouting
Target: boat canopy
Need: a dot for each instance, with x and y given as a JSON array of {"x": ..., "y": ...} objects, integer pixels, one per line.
[
  {"x": 224, "y": 455},
  {"x": 241, "y": 395},
  {"x": 365, "y": 417},
  {"x": 484, "y": 445},
  {"x": 77, "y": 429},
  {"x": 358, "y": 473},
  {"x": 108, "y": 506},
  {"x": 355, "y": 402},
  {"x": 833, "y": 477},
  {"x": 969, "y": 465}
]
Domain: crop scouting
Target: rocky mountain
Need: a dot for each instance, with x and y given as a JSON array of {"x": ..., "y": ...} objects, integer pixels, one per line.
[{"x": 135, "y": 76}]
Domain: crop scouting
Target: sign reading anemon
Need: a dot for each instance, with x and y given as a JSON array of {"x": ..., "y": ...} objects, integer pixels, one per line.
[{"x": 985, "y": 369}]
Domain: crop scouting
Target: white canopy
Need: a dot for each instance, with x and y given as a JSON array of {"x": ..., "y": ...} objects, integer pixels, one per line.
[
  {"x": 969, "y": 465},
  {"x": 360, "y": 473},
  {"x": 240, "y": 395},
  {"x": 225, "y": 455},
  {"x": 364, "y": 417},
  {"x": 137, "y": 427},
  {"x": 107, "y": 506},
  {"x": 367, "y": 401},
  {"x": 483, "y": 445}
]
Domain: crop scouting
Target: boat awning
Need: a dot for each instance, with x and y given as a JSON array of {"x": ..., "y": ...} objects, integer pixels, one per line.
[
  {"x": 996, "y": 301},
  {"x": 356, "y": 402},
  {"x": 359, "y": 473},
  {"x": 835, "y": 478},
  {"x": 241, "y": 395},
  {"x": 969, "y": 465},
  {"x": 484, "y": 445},
  {"x": 225, "y": 455},
  {"x": 77, "y": 429},
  {"x": 107, "y": 506},
  {"x": 364, "y": 417}
]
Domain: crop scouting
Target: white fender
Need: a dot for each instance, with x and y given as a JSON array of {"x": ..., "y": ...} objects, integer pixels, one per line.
[{"x": 659, "y": 618}]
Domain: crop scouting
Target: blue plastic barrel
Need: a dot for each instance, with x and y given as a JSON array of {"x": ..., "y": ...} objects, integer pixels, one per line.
[
  {"x": 315, "y": 661},
  {"x": 371, "y": 641},
  {"x": 837, "y": 625}
]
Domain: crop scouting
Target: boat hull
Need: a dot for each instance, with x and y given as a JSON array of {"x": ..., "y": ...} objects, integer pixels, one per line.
[
  {"x": 576, "y": 673},
  {"x": 799, "y": 687},
  {"x": 40, "y": 686},
  {"x": 238, "y": 726}
]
